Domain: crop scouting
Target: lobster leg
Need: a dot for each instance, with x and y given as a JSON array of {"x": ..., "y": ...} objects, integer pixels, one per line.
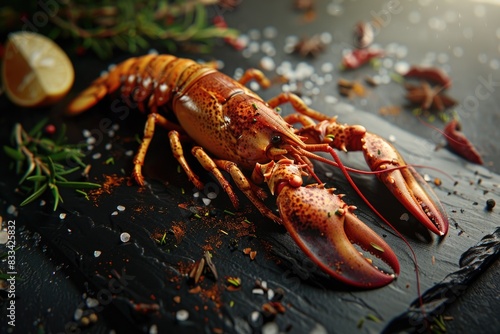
[
  {"x": 149, "y": 129},
  {"x": 254, "y": 74},
  {"x": 297, "y": 104},
  {"x": 211, "y": 167},
  {"x": 253, "y": 193}
]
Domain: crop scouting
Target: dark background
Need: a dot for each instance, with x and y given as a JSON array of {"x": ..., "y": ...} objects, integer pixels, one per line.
[{"x": 56, "y": 263}]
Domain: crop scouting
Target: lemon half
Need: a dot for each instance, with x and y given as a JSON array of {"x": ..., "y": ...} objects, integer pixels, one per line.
[{"x": 35, "y": 71}]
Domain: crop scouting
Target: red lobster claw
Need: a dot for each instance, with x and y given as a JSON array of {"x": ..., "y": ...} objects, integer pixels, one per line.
[
  {"x": 325, "y": 228},
  {"x": 405, "y": 183}
]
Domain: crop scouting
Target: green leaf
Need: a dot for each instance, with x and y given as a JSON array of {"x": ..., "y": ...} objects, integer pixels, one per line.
[
  {"x": 79, "y": 185},
  {"x": 38, "y": 127},
  {"x": 13, "y": 153},
  {"x": 56, "y": 194},
  {"x": 35, "y": 195},
  {"x": 52, "y": 169},
  {"x": 37, "y": 178},
  {"x": 69, "y": 171},
  {"x": 61, "y": 155},
  {"x": 61, "y": 135}
]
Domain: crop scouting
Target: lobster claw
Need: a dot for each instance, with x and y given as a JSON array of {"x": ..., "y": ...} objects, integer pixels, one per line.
[
  {"x": 405, "y": 183},
  {"x": 325, "y": 228}
]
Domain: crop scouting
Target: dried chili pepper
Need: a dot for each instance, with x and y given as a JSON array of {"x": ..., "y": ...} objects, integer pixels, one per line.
[
  {"x": 460, "y": 144},
  {"x": 430, "y": 74},
  {"x": 234, "y": 42},
  {"x": 358, "y": 57}
]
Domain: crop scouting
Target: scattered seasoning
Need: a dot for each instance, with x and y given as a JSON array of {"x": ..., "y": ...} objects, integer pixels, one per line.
[
  {"x": 210, "y": 264},
  {"x": 303, "y": 5},
  {"x": 177, "y": 299},
  {"x": 258, "y": 291},
  {"x": 197, "y": 270},
  {"x": 247, "y": 251},
  {"x": 110, "y": 161},
  {"x": 62, "y": 216},
  {"x": 490, "y": 204},
  {"x": 233, "y": 283},
  {"x": 309, "y": 46},
  {"x": 195, "y": 290},
  {"x": 120, "y": 208},
  {"x": 350, "y": 89},
  {"x": 373, "y": 318},
  {"x": 433, "y": 260},
  {"x": 253, "y": 254},
  {"x": 125, "y": 237},
  {"x": 97, "y": 253},
  {"x": 182, "y": 315},
  {"x": 437, "y": 181},
  {"x": 363, "y": 35},
  {"x": 390, "y": 110},
  {"x": 229, "y": 212}
]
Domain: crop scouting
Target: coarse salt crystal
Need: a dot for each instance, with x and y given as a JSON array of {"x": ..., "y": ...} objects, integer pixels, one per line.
[
  {"x": 182, "y": 315},
  {"x": 125, "y": 237}
]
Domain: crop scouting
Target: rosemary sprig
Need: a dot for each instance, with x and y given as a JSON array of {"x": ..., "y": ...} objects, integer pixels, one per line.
[
  {"x": 129, "y": 25},
  {"x": 40, "y": 161}
]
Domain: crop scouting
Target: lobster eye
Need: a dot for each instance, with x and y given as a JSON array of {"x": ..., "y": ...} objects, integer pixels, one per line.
[{"x": 276, "y": 139}]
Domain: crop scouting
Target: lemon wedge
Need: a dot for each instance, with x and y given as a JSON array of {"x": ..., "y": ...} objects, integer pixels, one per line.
[{"x": 35, "y": 71}]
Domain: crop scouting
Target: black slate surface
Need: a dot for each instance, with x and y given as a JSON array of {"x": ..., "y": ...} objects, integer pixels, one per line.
[{"x": 58, "y": 270}]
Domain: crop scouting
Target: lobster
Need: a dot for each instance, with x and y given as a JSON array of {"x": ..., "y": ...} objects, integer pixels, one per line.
[{"x": 236, "y": 131}]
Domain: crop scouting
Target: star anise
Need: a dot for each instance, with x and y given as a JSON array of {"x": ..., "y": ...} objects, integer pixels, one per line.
[
  {"x": 428, "y": 97},
  {"x": 309, "y": 46}
]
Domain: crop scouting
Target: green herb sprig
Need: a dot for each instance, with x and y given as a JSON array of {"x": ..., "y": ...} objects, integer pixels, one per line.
[
  {"x": 128, "y": 25},
  {"x": 41, "y": 160}
]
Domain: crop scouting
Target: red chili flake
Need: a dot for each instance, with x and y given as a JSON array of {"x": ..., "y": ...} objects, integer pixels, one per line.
[
  {"x": 430, "y": 74},
  {"x": 358, "y": 57},
  {"x": 146, "y": 308},
  {"x": 460, "y": 144}
]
